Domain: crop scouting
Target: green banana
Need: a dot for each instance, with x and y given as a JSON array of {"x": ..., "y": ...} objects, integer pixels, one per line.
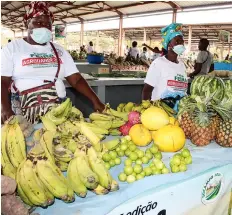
[
  {"x": 100, "y": 117},
  {"x": 72, "y": 145},
  {"x": 120, "y": 107},
  {"x": 103, "y": 124},
  {"x": 100, "y": 190},
  {"x": 120, "y": 115},
  {"x": 54, "y": 119},
  {"x": 51, "y": 180},
  {"x": 114, "y": 186},
  {"x": 98, "y": 166},
  {"x": 115, "y": 132},
  {"x": 87, "y": 176},
  {"x": 30, "y": 187},
  {"x": 168, "y": 109},
  {"x": 146, "y": 104},
  {"x": 62, "y": 153},
  {"x": 117, "y": 123},
  {"x": 68, "y": 127},
  {"x": 74, "y": 179},
  {"x": 67, "y": 111},
  {"x": 77, "y": 114},
  {"x": 63, "y": 166},
  {"x": 59, "y": 110},
  {"x": 48, "y": 124},
  {"x": 112, "y": 144},
  {"x": 101, "y": 136},
  {"x": 128, "y": 107},
  {"x": 37, "y": 151},
  {"x": 137, "y": 108},
  {"x": 96, "y": 129}
]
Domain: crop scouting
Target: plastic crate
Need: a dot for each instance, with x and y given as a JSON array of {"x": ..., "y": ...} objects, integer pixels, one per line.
[
  {"x": 95, "y": 59},
  {"x": 223, "y": 66}
]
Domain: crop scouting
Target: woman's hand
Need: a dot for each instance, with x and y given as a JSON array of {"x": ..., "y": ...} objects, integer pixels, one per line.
[
  {"x": 98, "y": 106},
  {"x": 5, "y": 115}
]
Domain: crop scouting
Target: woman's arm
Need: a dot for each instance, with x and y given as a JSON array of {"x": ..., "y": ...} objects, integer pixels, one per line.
[
  {"x": 6, "y": 111},
  {"x": 80, "y": 85},
  {"x": 148, "y": 47},
  {"x": 147, "y": 91}
]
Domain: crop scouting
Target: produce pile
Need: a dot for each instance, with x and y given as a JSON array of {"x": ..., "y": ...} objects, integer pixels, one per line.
[
  {"x": 221, "y": 73},
  {"x": 206, "y": 115},
  {"x": 77, "y": 56}
]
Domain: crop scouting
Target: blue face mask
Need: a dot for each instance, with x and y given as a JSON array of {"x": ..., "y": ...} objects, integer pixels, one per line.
[
  {"x": 41, "y": 35},
  {"x": 179, "y": 49}
]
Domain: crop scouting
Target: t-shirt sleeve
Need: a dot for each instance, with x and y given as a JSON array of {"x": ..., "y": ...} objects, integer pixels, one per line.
[
  {"x": 69, "y": 65},
  {"x": 202, "y": 56},
  {"x": 153, "y": 75},
  {"x": 7, "y": 66}
]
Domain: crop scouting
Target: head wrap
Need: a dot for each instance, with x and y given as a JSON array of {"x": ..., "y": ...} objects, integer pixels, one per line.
[
  {"x": 169, "y": 32},
  {"x": 37, "y": 8}
]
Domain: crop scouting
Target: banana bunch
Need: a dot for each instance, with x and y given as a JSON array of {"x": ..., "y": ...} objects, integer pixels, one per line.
[
  {"x": 62, "y": 154},
  {"x": 165, "y": 107},
  {"x": 134, "y": 107},
  {"x": 13, "y": 147}
]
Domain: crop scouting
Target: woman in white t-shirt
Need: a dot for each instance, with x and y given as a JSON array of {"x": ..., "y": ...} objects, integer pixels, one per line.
[
  {"x": 166, "y": 77},
  {"x": 90, "y": 47},
  {"x": 134, "y": 51},
  {"x": 37, "y": 69}
]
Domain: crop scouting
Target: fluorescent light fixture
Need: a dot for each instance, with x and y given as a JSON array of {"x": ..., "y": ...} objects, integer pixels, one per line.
[
  {"x": 207, "y": 8},
  {"x": 148, "y": 14}
]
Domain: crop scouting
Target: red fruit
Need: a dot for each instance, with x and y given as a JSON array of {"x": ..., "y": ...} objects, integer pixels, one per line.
[
  {"x": 124, "y": 129},
  {"x": 134, "y": 117}
]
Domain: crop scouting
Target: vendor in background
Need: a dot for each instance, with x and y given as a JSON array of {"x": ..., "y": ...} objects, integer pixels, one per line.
[
  {"x": 37, "y": 68},
  {"x": 156, "y": 51},
  {"x": 144, "y": 54},
  {"x": 204, "y": 63},
  {"x": 166, "y": 77},
  {"x": 134, "y": 51},
  {"x": 9, "y": 40},
  {"x": 90, "y": 47}
]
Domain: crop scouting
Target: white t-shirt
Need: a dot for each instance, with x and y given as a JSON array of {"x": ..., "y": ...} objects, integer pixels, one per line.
[
  {"x": 206, "y": 58},
  {"x": 29, "y": 65},
  {"x": 134, "y": 51},
  {"x": 90, "y": 49},
  {"x": 155, "y": 55},
  {"x": 144, "y": 55},
  {"x": 168, "y": 79}
]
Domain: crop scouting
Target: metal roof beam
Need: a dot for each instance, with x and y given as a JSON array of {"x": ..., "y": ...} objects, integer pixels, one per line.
[{"x": 113, "y": 9}]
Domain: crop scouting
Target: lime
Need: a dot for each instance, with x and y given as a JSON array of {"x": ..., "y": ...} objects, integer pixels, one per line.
[
  {"x": 155, "y": 160},
  {"x": 130, "y": 179},
  {"x": 120, "y": 153},
  {"x": 122, "y": 176},
  {"x": 128, "y": 170},
  {"x": 154, "y": 149},
  {"x": 177, "y": 155},
  {"x": 148, "y": 171},
  {"x": 188, "y": 160},
  {"x": 124, "y": 140},
  {"x": 183, "y": 167},
  {"x": 138, "y": 161},
  {"x": 106, "y": 157},
  {"x": 147, "y": 150},
  {"x": 153, "y": 168},
  {"x": 143, "y": 173},
  {"x": 165, "y": 170},
  {"x": 159, "y": 165},
  {"x": 175, "y": 168},
  {"x": 127, "y": 152},
  {"x": 158, "y": 155},
  {"x": 139, "y": 176},
  {"x": 176, "y": 161},
  {"x": 107, "y": 165},
  {"x": 132, "y": 147},
  {"x": 149, "y": 155},
  {"x": 151, "y": 164},
  {"x": 156, "y": 172},
  {"x": 185, "y": 153},
  {"x": 130, "y": 143},
  {"x": 117, "y": 161},
  {"x": 124, "y": 147},
  {"x": 145, "y": 160},
  {"x": 133, "y": 156},
  {"x": 138, "y": 168},
  {"x": 113, "y": 154},
  {"x": 112, "y": 163},
  {"x": 128, "y": 138},
  {"x": 128, "y": 162},
  {"x": 117, "y": 149},
  {"x": 140, "y": 153},
  {"x": 134, "y": 174}
]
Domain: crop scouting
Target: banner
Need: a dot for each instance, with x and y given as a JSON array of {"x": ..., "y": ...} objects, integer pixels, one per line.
[
  {"x": 224, "y": 36},
  {"x": 60, "y": 31},
  {"x": 207, "y": 194}
]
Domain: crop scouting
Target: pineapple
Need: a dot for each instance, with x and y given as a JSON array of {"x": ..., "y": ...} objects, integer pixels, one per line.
[
  {"x": 214, "y": 124},
  {"x": 186, "y": 124},
  {"x": 224, "y": 133}
]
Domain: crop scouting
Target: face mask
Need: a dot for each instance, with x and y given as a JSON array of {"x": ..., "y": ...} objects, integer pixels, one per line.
[
  {"x": 179, "y": 49},
  {"x": 41, "y": 35}
]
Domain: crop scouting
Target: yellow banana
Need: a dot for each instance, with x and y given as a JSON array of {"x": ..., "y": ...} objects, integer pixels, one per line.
[
  {"x": 37, "y": 135},
  {"x": 111, "y": 144},
  {"x": 30, "y": 187},
  {"x": 76, "y": 114},
  {"x": 48, "y": 124},
  {"x": 46, "y": 142},
  {"x": 98, "y": 166},
  {"x": 114, "y": 186},
  {"x": 117, "y": 123},
  {"x": 100, "y": 190},
  {"x": 101, "y": 136},
  {"x": 117, "y": 114},
  {"x": 54, "y": 119},
  {"x": 62, "y": 153},
  {"x": 100, "y": 117},
  {"x": 72, "y": 145},
  {"x": 36, "y": 151},
  {"x": 96, "y": 129},
  {"x": 63, "y": 166},
  {"x": 68, "y": 127},
  {"x": 20, "y": 139},
  {"x": 67, "y": 110},
  {"x": 115, "y": 132},
  {"x": 59, "y": 110},
  {"x": 103, "y": 124},
  {"x": 51, "y": 180},
  {"x": 74, "y": 180},
  {"x": 87, "y": 176}
]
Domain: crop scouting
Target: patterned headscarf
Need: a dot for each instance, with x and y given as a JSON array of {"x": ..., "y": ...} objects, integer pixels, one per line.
[
  {"x": 169, "y": 32},
  {"x": 37, "y": 8}
]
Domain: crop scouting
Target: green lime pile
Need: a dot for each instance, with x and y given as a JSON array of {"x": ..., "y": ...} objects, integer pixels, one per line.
[
  {"x": 158, "y": 167},
  {"x": 111, "y": 159},
  {"x": 179, "y": 161}
]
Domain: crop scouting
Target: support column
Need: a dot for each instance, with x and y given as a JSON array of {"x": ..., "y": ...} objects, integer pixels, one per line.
[
  {"x": 120, "y": 35},
  {"x": 190, "y": 39},
  {"x": 123, "y": 42},
  {"x": 82, "y": 33},
  {"x": 144, "y": 36},
  {"x": 174, "y": 15},
  {"x": 14, "y": 34},
  {"x": 97, "y": 42}
]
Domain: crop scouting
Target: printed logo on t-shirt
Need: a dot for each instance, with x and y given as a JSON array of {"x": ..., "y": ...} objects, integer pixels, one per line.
[
  {"x": 41, "y": 60},
  {"x": 179, "y": 82}
]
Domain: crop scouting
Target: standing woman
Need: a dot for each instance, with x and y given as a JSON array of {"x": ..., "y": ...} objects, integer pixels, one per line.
[
  {"x": 166, "y": 77},
  {"x": 33, "y": 69}
]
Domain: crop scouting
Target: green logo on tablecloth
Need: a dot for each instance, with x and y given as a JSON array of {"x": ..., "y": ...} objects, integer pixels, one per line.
[{"x": 212, "y": 188}]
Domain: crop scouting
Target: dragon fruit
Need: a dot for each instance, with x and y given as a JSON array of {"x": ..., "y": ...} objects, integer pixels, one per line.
[
  {"x": 134, "y": 117},
  {"x": 124, "y": 129}
]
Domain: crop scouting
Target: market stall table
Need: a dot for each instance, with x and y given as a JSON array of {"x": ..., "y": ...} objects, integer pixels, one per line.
[{"x": 169, "y": 194}]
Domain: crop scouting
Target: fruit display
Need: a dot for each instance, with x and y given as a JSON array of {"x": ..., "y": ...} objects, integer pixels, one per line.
[
  {"x": 206, "y": 115},
  {"x": 221, "y": 73}
]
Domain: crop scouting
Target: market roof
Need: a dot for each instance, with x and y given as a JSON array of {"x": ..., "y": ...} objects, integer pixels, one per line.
[{"x": 12, "y": 12}]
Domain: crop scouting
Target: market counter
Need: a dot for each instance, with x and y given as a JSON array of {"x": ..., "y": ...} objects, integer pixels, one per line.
[
  {"x": 109, "y": 90},
  {"x": 204, "y": 189},
  {"x": 85, "y": 67}
]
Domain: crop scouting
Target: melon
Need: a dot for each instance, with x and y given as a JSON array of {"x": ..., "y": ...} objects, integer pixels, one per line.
[
  {"x": 154, "y": 118},
  {"x": 170, "y": 138},
  {"x": 140, "y": 135}
]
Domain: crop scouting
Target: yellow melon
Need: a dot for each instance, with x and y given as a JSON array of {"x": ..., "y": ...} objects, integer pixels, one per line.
[
  {"x": 140, "y": 135},
  {"x": 154, "y": 118},
  {"x": 170, "y": 138},
  {"x": 173, "y": 121}
]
